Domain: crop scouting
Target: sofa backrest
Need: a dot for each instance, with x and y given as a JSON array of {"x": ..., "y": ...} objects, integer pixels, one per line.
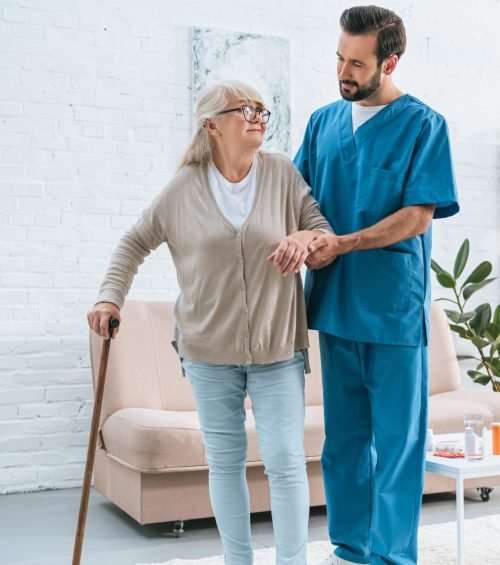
[
  {"x": 444, "y": 371},
  {"x": 144, "y": 370}
]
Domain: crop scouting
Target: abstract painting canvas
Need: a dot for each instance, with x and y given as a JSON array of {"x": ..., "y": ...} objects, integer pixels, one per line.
[{"x": 259, "y": 60}]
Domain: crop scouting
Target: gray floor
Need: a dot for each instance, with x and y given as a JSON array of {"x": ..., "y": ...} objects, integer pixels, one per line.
[{"x": 39, "y": 528}]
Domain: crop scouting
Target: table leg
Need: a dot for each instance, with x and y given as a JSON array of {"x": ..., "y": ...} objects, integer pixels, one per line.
[{"x": 460, "y": 521}]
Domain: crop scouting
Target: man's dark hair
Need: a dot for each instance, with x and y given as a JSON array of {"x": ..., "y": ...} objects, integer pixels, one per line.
[{"x": 389, "y": 27}]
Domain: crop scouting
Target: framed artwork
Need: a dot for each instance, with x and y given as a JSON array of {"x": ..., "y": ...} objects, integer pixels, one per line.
[{"x": 259, "y": 60}]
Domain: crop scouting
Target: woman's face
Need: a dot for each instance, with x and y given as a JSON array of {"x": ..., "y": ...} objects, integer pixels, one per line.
[{"x": 235, "y": 130}]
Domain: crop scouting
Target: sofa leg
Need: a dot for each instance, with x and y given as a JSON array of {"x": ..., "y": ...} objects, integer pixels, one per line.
[
  {"x": 485, "y": 493},
  {"x": 178, "y": 528}
]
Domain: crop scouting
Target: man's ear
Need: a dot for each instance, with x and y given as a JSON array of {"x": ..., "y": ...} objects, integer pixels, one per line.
[{"x": 390, "y": 64}]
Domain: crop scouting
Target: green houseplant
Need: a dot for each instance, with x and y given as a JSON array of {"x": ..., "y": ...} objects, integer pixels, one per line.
[{"x": 478, "y": 325}]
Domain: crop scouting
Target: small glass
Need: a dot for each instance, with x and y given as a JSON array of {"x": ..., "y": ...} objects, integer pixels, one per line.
[{"x": 474, "y": 444}]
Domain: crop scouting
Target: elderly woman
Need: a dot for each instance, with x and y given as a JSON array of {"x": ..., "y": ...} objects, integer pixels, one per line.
[{"x": 236, "y": 221}]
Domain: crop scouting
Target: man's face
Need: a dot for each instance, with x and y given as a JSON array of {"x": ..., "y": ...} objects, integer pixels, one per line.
[{"x": 358, "y": 70}]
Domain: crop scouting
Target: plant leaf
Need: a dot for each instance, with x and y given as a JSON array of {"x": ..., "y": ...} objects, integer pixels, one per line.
[
  {"x": 464, "y": 357},
  {"x": 458, "y": 317},
  {"x": 496, "y": 316},
  {"x": 478, "y": 377},
  {"x": 447, "y": 300},
  {"x": 436, "y": 268},
  {"x": 481, "y": 379},
  {"x": 479, "y": 342},
  {"x": 495, "y": 367},
  {"x": 470, "y": 289},
  {"x": 461, "y": 260},
  {"x": 462, "y": 332},
  {"x": 446, "y": 280},
  {"x": 479, "y": 273},
  {"x": 494, "y": 331},
  {"x": 482, "y": 318}
]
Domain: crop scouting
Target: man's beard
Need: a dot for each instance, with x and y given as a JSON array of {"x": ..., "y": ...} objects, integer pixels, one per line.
[{"x": 365, "y": 90}]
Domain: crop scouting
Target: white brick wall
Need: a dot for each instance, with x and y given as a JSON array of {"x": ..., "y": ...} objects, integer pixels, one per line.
[{"x": 94, "y": 111}]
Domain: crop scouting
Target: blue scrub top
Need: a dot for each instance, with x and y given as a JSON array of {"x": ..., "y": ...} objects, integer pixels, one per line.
[{"x": 399, "y": 157}]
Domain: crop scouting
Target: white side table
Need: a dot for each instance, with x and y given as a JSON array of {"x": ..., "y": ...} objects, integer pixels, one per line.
[{"x": 461, "y": 469}]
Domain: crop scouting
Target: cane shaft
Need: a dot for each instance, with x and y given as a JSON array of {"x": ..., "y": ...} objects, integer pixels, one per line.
[{"x": 89, "y": 466}]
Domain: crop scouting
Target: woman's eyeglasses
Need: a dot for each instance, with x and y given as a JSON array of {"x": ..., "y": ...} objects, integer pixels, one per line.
[{"x": 250, "y": 113}]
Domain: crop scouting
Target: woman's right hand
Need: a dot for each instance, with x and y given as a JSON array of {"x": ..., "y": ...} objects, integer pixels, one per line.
[{"x": 98, "y": 318}]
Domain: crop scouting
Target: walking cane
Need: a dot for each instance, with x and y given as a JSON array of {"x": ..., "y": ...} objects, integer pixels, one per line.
[{"x": 94, "y": 428}]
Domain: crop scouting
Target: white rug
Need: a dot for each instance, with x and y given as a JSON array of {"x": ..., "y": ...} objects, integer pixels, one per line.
[{"x": 437, "y": 546}]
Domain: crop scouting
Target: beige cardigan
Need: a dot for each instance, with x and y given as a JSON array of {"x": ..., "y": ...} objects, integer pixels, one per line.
[{"x": 233, "y": 307}]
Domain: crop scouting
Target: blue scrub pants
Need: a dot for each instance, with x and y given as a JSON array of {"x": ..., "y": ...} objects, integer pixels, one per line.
[
  {"x": 375, "y": 400},
  {"x": 277, "y": 394}
]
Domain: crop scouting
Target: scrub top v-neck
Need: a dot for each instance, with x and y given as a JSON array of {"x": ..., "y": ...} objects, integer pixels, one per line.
[
  {"x": 400, "y": 157},
  {"x": 362, "y": 114}
]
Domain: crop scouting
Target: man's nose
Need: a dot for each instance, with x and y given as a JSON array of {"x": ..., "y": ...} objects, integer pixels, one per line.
[{"x": 342, "y": 71}]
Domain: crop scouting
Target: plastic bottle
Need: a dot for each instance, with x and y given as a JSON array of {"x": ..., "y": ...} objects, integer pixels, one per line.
[
  {"x": 470, "y": 443},
  {"x": 429, "y": 441}
]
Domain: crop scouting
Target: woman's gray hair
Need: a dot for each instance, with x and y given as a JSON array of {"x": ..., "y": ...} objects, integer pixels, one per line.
[{"x": 212, "y": 100}]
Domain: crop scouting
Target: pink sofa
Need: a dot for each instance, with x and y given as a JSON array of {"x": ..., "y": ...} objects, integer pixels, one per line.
[{"x": 150, "y": 460}]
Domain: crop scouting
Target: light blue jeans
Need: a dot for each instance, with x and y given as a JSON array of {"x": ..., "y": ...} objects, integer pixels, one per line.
[{"x": 277, "y": 394}]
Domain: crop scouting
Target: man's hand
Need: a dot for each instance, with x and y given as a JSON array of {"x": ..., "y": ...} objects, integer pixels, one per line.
[{"x": 323, "y": 251}]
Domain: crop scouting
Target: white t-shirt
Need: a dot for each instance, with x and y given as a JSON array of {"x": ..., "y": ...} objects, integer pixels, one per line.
[
  {"x": 361, "y": 114},
  {"x": 235, "y": 199}
]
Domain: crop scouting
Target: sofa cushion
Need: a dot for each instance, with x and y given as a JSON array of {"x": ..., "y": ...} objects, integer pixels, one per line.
[
  {"x": 160, "y": 440},
  {"x": 447, "y": 409},
  {"x": 149, "y": 440}
]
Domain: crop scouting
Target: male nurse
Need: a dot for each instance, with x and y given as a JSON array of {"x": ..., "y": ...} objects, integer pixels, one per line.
[{"x": 379, "y": 164}]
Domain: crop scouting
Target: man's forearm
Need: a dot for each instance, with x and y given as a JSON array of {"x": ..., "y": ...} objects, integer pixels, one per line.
[{"x": 403, "y": 224}]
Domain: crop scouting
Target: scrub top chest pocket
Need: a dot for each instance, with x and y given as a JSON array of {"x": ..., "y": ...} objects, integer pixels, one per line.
[{"x": 380, "y": 193}]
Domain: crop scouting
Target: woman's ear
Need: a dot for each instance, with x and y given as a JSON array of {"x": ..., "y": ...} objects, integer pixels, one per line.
[{"x": 211, "y": 127}]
